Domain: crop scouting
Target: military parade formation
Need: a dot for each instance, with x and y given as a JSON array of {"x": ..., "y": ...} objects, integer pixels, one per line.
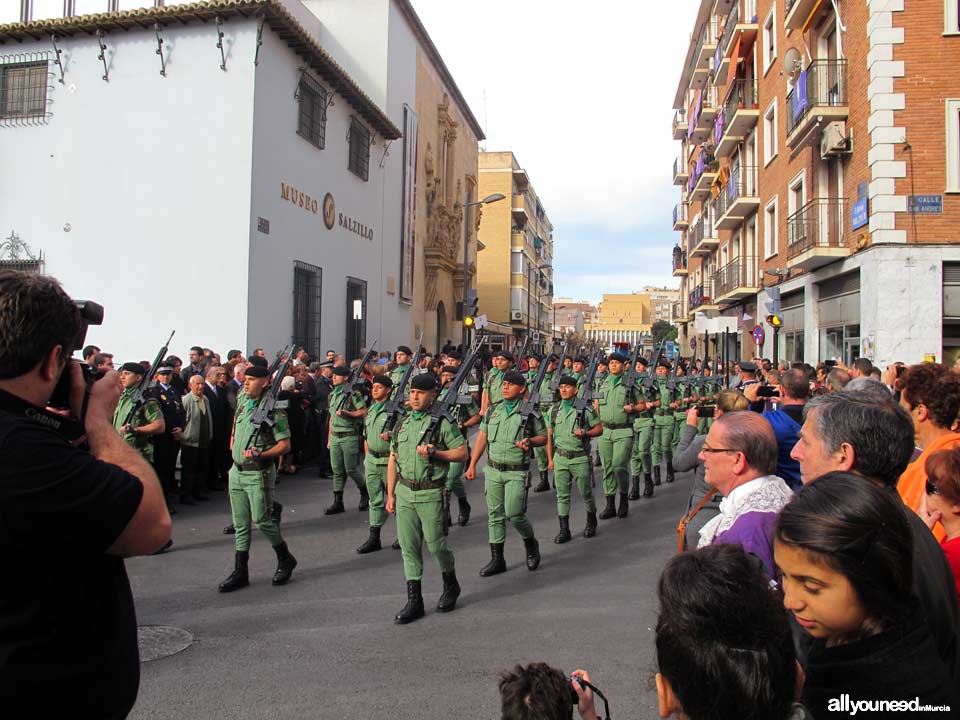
[{"x": 402, "y": 438}]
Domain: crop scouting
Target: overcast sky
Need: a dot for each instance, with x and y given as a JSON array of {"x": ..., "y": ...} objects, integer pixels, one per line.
[{"x": 582, "y": 94}]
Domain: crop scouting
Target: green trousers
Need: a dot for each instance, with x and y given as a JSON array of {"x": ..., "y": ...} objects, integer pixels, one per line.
[
  {"x": 419, "y": 521},
  {"x": 344, "y": 458},
  {"x": 615, "y": 447},
  {"x": 251, "y": 501},
  {"x": 543, "y": 462},
  {"x": 565, "y": 473},
  {"x": 662, "y": 438},
  {"x": 506, "y": 500},
  {"x": 375, "y": 473},
  {"x": 640, "y": 461},
  {"x": 455, "y": 484},
  {"x": 679, "y": 420}
]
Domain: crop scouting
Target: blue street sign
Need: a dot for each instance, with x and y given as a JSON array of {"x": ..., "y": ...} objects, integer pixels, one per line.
[
  {"x": 925, "y": 203},
  {"x": 859, "y": 213},
  {"x": 670, "y": 350}
]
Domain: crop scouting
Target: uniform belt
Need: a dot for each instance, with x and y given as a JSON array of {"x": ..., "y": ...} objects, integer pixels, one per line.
[
  {"x": 570, "y": 454},
  {"x": 507, "y": 467},
  {"x": 380, "y": 455},
  {"x": 344, "y": 433},
  {"x": 617, "y": 426},
  {"x": 248, "y": 466},
  {"x": 422, "y": 484}
]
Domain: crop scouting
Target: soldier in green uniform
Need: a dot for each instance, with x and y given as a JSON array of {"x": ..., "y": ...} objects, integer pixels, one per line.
[
  {"x": 137, "y": 430},
  {"x": 568, "y": 451},
  {"x": 643, "y": 424},
  {"x": 599, "y": 378},
  {"x": 507, "y": 471},
  {"x": 253, "y": 478},
  {"x": 663, "y": 423},
  {"x": 546, "y": 404},
  {"x": 376, "y": 449},
  {"x": 416, "y": 481},
  {"x": 493, "y": 380},
  {"x": 403, "y": 357},
  {"x": 579, "y": 363},
  {"x": 467, "y": 416},
  {"x": 616, "y": 407},
  {"x": 346, "y": 426},
  {"x": 682, "y": 398}
]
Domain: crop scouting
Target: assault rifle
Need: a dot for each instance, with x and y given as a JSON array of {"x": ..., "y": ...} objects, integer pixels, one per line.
[
  {"x": 523, "y": 352},
  {"x": 530, "y": 407},
  {"x": 395, "y": 406},
  {"x": 263, "y": 416},
  {"x": 140, "y": 394},
  {"x": 584, "y": 400},
  {"x": 355, "y": 380},
  {"x": 651, "y": 378},
  {"x": 631, "y": 376},
  {"x": 558, "y": 371}
]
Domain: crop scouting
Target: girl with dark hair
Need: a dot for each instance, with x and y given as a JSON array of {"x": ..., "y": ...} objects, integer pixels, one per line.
[{"x": 844, "y": 548}]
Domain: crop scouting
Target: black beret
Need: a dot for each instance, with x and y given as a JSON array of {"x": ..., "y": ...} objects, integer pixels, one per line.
[
  {"x": 602, "y": 360},
  {"x": 382, "y": 380},
  {"x": 514, "y": 378},
  {"x": 619, "y": 356},
  {"x": 257, "y": 371},
  {"x": 505, "y": 354},
  {"x": 454, "y": 355},
  {"x": 453, "y": 369},
  {"x": 341, "y": 370},
  {"x": 748, "y": 367},
  {"x": 258, "y": 361},
  {"x": 404, "y": 349},
  {"x": 664, "y": 363},
  {"x": 133, "y": 367},
  {"x": 568, "y": 380},
  {"x": 534, "y": 356},
  {"x": 643, "y": 361},
  {"x": 424, "y": 381},
  {"x": 580, "y": 359}
]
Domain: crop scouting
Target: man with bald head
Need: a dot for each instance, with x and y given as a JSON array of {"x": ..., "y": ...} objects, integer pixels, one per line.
[{"x": 739, "y": 457}]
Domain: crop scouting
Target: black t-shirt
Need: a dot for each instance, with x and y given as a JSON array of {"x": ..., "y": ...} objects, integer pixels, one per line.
[{"x": 68, "y": 630}]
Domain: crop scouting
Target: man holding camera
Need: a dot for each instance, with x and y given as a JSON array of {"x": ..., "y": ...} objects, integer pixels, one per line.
[{"x": 68, "y": 516}]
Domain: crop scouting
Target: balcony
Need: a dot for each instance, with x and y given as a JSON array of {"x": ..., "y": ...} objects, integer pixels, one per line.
[
  {"x": 681, "y": 172},
  {"x": 701, "y": 298},
  {"x": 741, "y": 30},
  {"x": 819, "y": 95},
  {"x": 680, "y": 125},
  {"x": 815, "y": 234},
  {"x": 678, "y": 313},
  {"x": 740, "y": 115},
  {"x": 519, "y": 209},
  {"x": 739, "y": 199},
  {"x": 703, "y": 237},
  {"x": 737, "y": 279},
  {"x": 798, "y": 11},
  {"x": 700, "y": 60},
  {"x": 679, "y": 262},
  {"x": 701, "y": 177},
  {"x": 680, "y": 221}
]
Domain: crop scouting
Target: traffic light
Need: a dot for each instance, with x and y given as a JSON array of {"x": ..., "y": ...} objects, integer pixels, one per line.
[
  {"x": 470, "y": 308},
  {"x": 774, "y": 321}
]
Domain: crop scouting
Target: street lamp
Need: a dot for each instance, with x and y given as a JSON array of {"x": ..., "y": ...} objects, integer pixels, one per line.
[{"x": 496, "y": 197}]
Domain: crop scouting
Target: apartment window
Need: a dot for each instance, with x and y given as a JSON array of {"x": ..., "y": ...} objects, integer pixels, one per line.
[
  {"x": 516, "y": 262},
  {"x": 23, "y": 91},
  {"x": 796, "y": 194},
  {"x": 769, "y": 39},
  {"x": 312, "y": 117},
  {"x": 307, "y": 287},
  {"x": 359, "y": 163},
  {"x": 953, "y": 145},
  {"x": 770, "y": 147},
  {"x": 770, "y": 219},
  {"x": 951, "y": 17}
]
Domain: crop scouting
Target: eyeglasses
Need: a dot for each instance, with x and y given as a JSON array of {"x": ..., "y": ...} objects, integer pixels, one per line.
[
  {"x": 932, "y": 489},
  {"x": 716, "y": 450}
]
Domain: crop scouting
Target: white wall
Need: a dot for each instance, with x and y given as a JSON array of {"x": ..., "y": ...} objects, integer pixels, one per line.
[{"x": 153, "y": 176}]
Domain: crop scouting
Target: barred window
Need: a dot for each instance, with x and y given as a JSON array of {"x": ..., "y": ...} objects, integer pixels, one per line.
[
  {"x": 23, "y": 91},
  {"x": 312, "y": 121},
  {"x": 359, "y": 163}
]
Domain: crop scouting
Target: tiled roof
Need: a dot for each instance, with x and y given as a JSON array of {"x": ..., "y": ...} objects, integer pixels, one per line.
[{"x": 276, "y": 16}]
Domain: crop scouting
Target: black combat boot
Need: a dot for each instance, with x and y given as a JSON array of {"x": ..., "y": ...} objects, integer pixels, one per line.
[
  {"x": 544, "y": 483},
  {"x": 564, "y": 535},
  {"x": 656, "y": 474},
  {"x": 624, "y": 506},
  {"x": 277, "y": 511},
  {"x": 413, "y": 610},
  {"x": 451, "y": 591},
  {"x": 635, "y": 487},
  {"x": 230, "y": 530},
  {"x": 670, "y": 476},
  {"x": 364, "y": 500},
  {"x": 285, "y": 564},
  {"x": 591, "y": 529},
  {"x": 464, "y": 512},
  {"x": 239, "y": 578},
  {"x": 337, "y": 506},
  {"x": 647, "y": 485},
  {"x": 396, "y": 544},
  {"x": 373, "y": 542},
  {"x": 496, "y": 564},
  {"x": 611, "y": 509},
  {"x": 533, "y": 553}
]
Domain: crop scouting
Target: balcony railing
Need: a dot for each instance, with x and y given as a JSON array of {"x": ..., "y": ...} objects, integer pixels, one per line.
[
  {"x": 680, "y": 125},
  {"x": 817, "y": 225},
  {"x": 681, "y": 171},
  {"x": 680, "y": 221},
  {"x": 823, "y": 84},
  {"x": 701, "y": 295},
  {"x": 679, "y": 260},
  {"x": 739, "y": 197},
  {"x": 678, "y": 311},
  {"x": 737, "y": 277}
]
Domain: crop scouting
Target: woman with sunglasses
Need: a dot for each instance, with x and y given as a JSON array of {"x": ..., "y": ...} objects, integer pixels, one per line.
[{"x": 942, "y": 503}]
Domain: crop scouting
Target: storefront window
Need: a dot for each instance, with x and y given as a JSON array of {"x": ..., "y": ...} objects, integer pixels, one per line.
[
  {"x": 792, "y": 348},
  {"x": 840, "y": 343}
]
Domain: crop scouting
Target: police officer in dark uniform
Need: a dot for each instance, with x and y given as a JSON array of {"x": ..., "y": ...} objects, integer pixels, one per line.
[
  {"x": 321, "y": 408},
  {"x": 166, "y": 445}
]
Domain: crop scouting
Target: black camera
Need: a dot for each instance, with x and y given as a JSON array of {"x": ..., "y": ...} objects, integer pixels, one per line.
[
  {"x": 90, "y": 313},
  {"x": 768, "y": 391},
  {"x": 705, "y": 411}
]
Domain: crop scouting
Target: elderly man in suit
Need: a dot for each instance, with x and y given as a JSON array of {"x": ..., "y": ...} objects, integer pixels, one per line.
[{"x": 195, "y": 442}]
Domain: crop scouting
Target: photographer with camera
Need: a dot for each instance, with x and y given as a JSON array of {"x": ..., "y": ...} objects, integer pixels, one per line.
[{"x": 68, "y": 516}]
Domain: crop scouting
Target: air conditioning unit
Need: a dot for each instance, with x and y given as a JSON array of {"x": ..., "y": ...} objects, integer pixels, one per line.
[
  {"x": 834, "y": 140},
  {"x": 516, "y": 315}
]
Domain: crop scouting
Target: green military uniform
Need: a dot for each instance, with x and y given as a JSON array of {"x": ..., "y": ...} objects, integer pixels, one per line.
[
  {"x": 643, "y": 426},
  {"x": 396, "y": 375},
  {"x": 707, "y": 393},
  {"x": 663, "y": 423},
  {"x": 546, "y": 398},
  {"x": 571, "y": 460},
  {"x": 345, "y": 439},
  {"x": 493, "y": 384},
  {"x": 616, "y": 442},
  {"x": 252, "y": 482},
  {"x": 147, "y": 413},
  {"x": 507, "y": 469},
  {"x": 680, "y": 414},
  {"x": 421, "y": 482},
  {"x": 375, "y": 462},
  {"x": 455, "y": 470}
]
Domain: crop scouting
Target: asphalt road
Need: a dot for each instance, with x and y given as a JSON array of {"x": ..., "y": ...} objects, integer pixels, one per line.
[{"x": 325, "y": 646}]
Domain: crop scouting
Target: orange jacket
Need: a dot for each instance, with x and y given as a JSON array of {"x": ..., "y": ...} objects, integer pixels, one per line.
[{"x": 912, "y": 485}]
